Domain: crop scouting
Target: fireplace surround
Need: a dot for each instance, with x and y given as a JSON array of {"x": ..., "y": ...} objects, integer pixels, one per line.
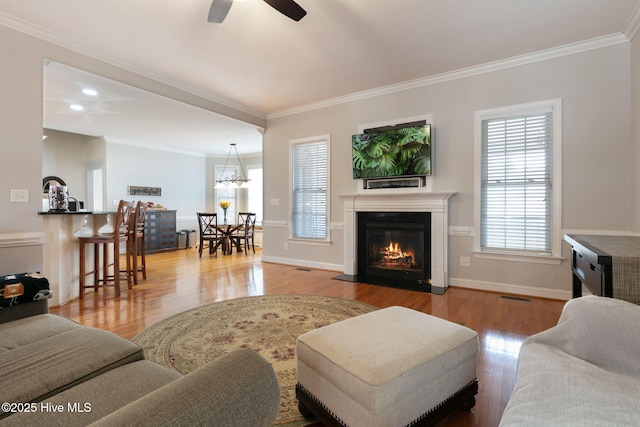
[{"x": 397, "y": 200}]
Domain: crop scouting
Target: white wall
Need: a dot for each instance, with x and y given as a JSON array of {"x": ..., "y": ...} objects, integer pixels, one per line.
[
  {"x": 594, "y": 87},
  {"x": 182, "y": 179}
]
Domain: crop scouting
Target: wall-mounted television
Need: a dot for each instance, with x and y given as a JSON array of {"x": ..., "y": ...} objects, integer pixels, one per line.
[{"x": 394, "y": 151}]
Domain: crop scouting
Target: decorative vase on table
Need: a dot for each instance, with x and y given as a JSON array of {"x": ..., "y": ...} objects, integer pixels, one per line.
[{"x": 225, "y": 205}]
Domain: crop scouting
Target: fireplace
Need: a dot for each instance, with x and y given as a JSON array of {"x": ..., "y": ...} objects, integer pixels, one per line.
[
  {"x": 394, "y": 249},
  {"x": 400, "y": 200}
]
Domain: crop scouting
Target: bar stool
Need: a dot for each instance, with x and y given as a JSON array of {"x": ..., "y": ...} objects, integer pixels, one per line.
[
  {"x": 137, "y": 241},
  {"x": 120, "y": 234}
]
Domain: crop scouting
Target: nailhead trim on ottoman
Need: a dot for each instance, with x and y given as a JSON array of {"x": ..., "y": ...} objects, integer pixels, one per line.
[{"x": 390, "y": 367}]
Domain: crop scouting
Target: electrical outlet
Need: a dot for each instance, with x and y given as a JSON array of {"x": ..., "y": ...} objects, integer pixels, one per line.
[
  {"x": 286, "y": 245},
  {"x": 275, "y": 202},
  {"x": 465, "y": 261},
  {"x": 20, "y": 196}
]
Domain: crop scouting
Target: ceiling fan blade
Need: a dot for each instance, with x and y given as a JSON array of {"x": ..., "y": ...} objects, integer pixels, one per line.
[
  {"x": 218, "y": 10},
  {"x": 288, "y": 8}
]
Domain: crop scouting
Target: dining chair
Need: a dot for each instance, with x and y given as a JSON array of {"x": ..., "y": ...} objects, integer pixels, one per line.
[
  {"x": 244, "y": 234},
  {"x": 208, "y": 224},
  {"x": 136, "y": 235},
  {"x": 120, "y": 234}
]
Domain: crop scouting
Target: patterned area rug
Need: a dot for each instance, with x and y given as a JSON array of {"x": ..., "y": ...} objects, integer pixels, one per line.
[{"x": 268, "y": 324}]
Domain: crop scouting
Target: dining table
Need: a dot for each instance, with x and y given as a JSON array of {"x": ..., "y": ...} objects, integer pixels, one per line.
[{"x": 225, "y": 241}]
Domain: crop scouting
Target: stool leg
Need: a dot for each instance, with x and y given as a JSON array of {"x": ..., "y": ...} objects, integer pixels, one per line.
[
  {"x": 143, "y": 258},
  {"x": 134, "y": 258},
  {"x": 96, "y": 266},
  {"x": 105, "y": 263},
  {"x": 116, "y": 266},
  {"x": 130, "y": 272},
  {"x": 82, "y": 268}
]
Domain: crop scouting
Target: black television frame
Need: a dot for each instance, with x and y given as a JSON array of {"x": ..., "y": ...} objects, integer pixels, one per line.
[{"x": 391, "y": 153}]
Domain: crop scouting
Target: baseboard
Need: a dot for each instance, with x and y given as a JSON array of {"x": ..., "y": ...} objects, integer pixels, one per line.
[
  {"x": 505, "y": 288},
  {"x": 301, "y": 263},
  {"x": 508, "y": 288}
]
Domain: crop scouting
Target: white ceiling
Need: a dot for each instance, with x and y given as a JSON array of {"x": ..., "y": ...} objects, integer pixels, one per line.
[
  {"x": 264, "y": 63},
  {"x": 127, "y": 115}
]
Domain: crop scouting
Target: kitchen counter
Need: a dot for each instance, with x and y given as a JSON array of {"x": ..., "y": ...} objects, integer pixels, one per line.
[
  {"x": 61, "y": 252},
  {"x": 65, "y": 213}
]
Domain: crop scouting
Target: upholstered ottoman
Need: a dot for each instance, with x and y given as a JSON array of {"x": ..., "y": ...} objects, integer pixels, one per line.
[{"x": 390, "y": 367}]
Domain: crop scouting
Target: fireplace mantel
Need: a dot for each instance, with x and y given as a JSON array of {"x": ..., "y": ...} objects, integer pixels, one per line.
[{"x": 389, "y": 201}]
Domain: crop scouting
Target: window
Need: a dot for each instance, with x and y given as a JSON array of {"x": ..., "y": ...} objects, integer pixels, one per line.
[
  {"x": 310, "y": 184},
  {"x": 519, "y": 162},
  {"x": 228, "y": 194}
]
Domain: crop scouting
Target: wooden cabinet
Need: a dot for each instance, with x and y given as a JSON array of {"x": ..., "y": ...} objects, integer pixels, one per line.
[{"x": 160, "y": 231}]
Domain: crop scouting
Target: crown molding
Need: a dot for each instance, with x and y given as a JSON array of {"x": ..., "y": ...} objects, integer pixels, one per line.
[
  {"x": 632, "y": 27},
  {"x": 516, "y": 61},
  {"x": 50, "y": 37}
]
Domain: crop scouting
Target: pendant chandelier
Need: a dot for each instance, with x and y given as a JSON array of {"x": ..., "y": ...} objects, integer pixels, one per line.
[{"x": 232, "y": 181}]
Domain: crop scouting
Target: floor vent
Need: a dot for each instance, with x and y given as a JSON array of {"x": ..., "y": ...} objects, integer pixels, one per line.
[
  {"x": 515, "y": 298},
  {"x": 303, "y": 269}
]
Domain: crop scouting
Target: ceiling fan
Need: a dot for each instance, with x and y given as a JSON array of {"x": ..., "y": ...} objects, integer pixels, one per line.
[{"x": 289, "y": 8}]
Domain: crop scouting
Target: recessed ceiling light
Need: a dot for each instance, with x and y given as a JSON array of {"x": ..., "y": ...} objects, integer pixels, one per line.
[
  {"x": 76, "y": 107},
  {"x": 90, "y": 92}
]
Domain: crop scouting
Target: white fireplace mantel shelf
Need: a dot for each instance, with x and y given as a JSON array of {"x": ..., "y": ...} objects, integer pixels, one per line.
[
  {"x": 401, "y": 201},
  {"x": 397, "y": 199}
]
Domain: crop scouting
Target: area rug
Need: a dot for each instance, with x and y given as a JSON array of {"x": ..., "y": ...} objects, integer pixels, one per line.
[{"x": 267, "y": 324}]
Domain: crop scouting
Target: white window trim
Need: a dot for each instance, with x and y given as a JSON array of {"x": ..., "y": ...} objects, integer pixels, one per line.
[
  {"x": 292, "y": 142},
  {"x": 556, "y": 220}
]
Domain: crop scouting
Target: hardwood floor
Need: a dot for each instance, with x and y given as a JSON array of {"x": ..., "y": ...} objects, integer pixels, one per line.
[{"x": 178, "y": 281}]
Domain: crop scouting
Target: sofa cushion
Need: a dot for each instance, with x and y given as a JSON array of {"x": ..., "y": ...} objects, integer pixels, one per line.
[
  {"x": 93, "y": 399},
  {"x": 35, "y": 371},
  {"x": 238, "y": 389},
  {"x": 583, "y": 371},
  {"x": 556, "y": 388},
  {"x": 32, "y": 329}
]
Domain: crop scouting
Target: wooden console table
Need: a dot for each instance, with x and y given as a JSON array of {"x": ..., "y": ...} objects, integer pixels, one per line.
[{"x": 607, "y": 265}]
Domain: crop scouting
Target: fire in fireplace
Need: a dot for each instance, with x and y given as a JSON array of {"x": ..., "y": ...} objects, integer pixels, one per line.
[
  {"x": 394, "y": 249},
  {"x": 393, "y": 257}
]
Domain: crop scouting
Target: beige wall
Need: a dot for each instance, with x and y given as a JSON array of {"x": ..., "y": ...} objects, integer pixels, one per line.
[
  {"x": 21, "y": 132},
  {"x": 594, "y": 87}
]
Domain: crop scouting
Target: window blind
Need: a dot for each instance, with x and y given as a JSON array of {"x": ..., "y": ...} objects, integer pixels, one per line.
[
  {"x": 309, "y": 179},
  {"x": 516, "y": 183}
]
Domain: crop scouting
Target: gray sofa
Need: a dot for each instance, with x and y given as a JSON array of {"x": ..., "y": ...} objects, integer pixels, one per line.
[
  {"x": 585, "y": 371},
  {"x": 54, "y": 371}
]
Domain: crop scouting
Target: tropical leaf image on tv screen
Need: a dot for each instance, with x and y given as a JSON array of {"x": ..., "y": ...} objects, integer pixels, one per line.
[{"x": 392, "y": 153}]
